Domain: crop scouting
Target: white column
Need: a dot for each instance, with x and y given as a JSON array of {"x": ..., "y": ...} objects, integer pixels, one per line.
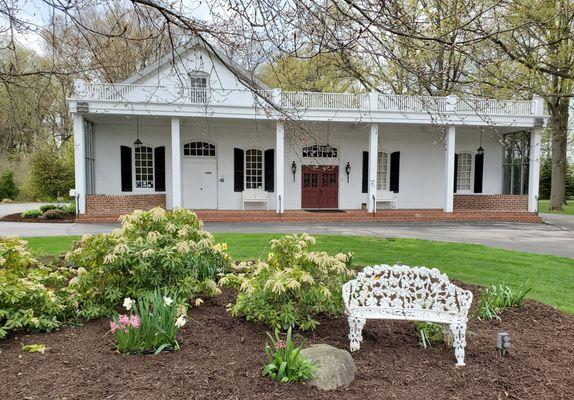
[
  {"x": 176, "y": 164},
  {"x": 449, "y": 169},
  {"x": 373, "y": 153},
  {"x": 80, "y": 162},
  {"x": 280, "y": 166},
  {"x": 534, "y": 169}
]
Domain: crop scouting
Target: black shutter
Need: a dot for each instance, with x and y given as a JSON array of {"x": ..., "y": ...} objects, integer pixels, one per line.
[
  {"x": 238, "y": 167},
  {"x": 395, "y": 171},
  {"x": 159, "y": 168},
  {"x": 455, "y": 171},
  {"x": 365, "y": 177},
  {"x": 478, "y": 172},
  {"x": 126, "y": 168},
  {"x": 269, "y": 161}
]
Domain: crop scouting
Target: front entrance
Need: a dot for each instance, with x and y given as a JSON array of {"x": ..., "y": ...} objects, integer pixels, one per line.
[
  {"x": 200, "y": 183},
  {"x": 320, "y": 186}
]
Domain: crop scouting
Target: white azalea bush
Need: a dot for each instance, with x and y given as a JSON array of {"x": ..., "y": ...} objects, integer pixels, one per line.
[
  {"x": 292, "y": 286},
  {"x": 33, "y": 297},
  {"x": 151, "y": 324},
  {"x": 152, "y": 249}
]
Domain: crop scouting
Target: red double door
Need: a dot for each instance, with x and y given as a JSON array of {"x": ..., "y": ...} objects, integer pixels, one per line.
[{"x": 320, "y": 186}]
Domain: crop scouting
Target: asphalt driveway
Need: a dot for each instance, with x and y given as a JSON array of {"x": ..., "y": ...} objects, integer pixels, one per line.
[{"x": 555, "y": 237}]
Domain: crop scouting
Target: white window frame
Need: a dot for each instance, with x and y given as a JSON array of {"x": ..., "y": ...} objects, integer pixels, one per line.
[
  {"x": 135, "y": 173},
  {"x": 198, "y": 93},
  {"x": 201, "y": 155},
  {"x": 381, "y": 172},
  {"x": 470, "y": 171},
  {"x": 246, "y": 169}
]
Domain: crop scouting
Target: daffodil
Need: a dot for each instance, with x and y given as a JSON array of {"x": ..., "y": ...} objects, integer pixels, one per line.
[
  {"x": 128, "y": 303},
  {"x": 167, "y": 300},
  {"x": 180, "y": 321}
]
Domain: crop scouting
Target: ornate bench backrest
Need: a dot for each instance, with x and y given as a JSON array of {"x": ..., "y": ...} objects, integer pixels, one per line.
[{"x": 401, "y": 287}]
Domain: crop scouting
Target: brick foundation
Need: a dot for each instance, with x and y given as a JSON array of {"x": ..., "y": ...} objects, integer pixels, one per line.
[
  {"x": 491, "y": 202},
  {"x": 104, "y": 206},
  {"x": 350, "y": 216}
]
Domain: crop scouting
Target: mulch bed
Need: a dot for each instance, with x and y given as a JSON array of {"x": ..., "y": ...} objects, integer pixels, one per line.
[
  {"x": 221, "y": 358},
  {"x": 18, "y": 218}
]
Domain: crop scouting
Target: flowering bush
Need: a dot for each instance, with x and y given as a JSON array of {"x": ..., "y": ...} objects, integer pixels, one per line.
[
  {"x": 153, "y": 325},
  {"x": 32, "y": 296},
  {"x": 292, "y": 286},
  {"x": 155, "y": 248},
  {"x": 285, "y": 362}
]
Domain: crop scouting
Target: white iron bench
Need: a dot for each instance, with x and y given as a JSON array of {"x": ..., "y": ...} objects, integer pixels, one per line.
[
  {"x": 255, "y": 196},
  {"x": 404, "y": 293},
  {"x": 386, "y": 196}
]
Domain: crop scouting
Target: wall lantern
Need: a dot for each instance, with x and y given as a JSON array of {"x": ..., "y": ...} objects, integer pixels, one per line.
[
  {"x": 294, "y": 170},
  {"x": 348, "y": 170}
]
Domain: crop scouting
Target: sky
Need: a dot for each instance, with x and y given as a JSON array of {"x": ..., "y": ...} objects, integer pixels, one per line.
[{"x": 36, "y": 13}]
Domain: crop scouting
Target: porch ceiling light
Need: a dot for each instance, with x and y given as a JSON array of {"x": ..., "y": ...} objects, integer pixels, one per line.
[
  {"x": 480, "y": 150},
  {"x": 293, "y": 169}
]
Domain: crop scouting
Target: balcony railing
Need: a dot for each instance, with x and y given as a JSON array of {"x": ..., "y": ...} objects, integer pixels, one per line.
[{"x": 302, "y": 101}]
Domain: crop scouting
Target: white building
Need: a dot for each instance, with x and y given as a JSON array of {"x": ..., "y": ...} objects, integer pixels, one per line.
[{"x": 209, "y": 142}]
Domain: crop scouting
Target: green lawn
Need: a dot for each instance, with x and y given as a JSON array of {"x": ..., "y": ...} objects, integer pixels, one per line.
[
  {"x": 551, "y": 278},
  {"x": 544, "y": 206}
]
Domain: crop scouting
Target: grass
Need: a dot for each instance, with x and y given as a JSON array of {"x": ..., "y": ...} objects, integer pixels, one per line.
[
  {"x": 544, "y": 206},
  {"x": 551, "y": 277}
]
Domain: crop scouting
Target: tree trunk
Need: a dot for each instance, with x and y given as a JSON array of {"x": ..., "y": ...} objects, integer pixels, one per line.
[{"x": 558, "y": 125}]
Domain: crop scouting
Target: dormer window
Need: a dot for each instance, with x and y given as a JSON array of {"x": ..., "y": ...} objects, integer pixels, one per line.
[{"x": 199, "y": 85}]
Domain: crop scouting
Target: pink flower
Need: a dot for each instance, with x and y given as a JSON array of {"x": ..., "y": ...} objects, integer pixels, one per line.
[
  {"x": 135, "y": 321},
  {"x": 114, "y": 327},
  {"x": 124, "y": 320},
  {"x": 280, "y": 344}
]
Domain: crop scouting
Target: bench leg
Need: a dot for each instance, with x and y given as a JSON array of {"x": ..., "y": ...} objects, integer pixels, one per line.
[
  {"x": 355, "y": 332},
  {"x": 458, "y": 330}
]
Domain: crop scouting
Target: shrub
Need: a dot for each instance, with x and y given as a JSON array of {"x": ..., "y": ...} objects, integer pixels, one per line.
[
  {"x": 69, "y": 209},
  {"x": 292, "y": 287},
  {"x": 8, "y": 188},
  {"x": 285, "y": 362},
  {"x": 54, "y": 214},
  {"x": 153, "y": 325},
  {"x": 496, "y": 298},
  {"x": 48, "y": 207},
  {"x": 31, "y": 214},
  {"x": 51, "y": 172},
  {"x": 32, "y": 296},
  {"x": 152, "y": 249},
  {"x": 429, "y": 334}
]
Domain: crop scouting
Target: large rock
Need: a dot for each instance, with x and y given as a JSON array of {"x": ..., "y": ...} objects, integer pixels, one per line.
[{"x": 336, "y": 367}]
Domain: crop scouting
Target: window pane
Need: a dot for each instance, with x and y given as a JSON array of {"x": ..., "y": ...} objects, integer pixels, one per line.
[
  {"x": 464, "y": 167},
  {"x": 382, "y": 171},
  {"x": 253, "y": 169}
]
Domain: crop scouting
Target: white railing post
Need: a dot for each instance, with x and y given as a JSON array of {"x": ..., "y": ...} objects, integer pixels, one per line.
[
  {"x": 80, "y": 162},
  {"x": 451, "y": 102},
  {"x": 276, "y": 97},
  {"x": 534, "y": 169},
  {"x": 373, "y": 101},
  {"x": 449, "y": 169},
  {"x": 537, "y": 107},
  {"x": 280, "y": 167},
  {"x": 177, "y": 198},
  {"x": 373, "y": 153}
]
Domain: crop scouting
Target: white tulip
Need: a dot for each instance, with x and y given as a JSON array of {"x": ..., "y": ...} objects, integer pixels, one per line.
[
  {"x": 180, "y": 321},
  {"x": 168, "y": 301},
  {"x": 128, "y": 303}
]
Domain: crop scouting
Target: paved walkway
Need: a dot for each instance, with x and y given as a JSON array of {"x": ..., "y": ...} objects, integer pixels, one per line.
[{"x": 555, "y": 237}]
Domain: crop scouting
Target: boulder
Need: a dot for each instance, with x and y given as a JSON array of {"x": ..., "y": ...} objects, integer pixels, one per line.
[{"x": 336, "y": 368}]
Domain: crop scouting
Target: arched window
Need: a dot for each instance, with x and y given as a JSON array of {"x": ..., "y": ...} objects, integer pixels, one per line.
[
  {"x": 463, "y": 172},
  {"x": 320, "y": 151},
  {"x": 199, "y": 149},
  {"x": 144, "y": 167},
  {"x": 253, "y": 169},
  {"x": 383, "y": 168}
]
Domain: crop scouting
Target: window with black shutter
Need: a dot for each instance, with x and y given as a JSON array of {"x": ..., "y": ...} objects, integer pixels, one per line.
[
  {"x": 126, "y": 168},
  {"x": 269, "y": 165},
  {"x": 159, "y": 164},
  {"x": 395, "y": 171},
  {"x": 238, "y": 168}
]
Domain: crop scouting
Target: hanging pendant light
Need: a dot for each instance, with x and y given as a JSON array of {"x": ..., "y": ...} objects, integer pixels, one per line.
[
  {"x": 480, "y": 150},
  {"x": 137, "y": 142}
]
